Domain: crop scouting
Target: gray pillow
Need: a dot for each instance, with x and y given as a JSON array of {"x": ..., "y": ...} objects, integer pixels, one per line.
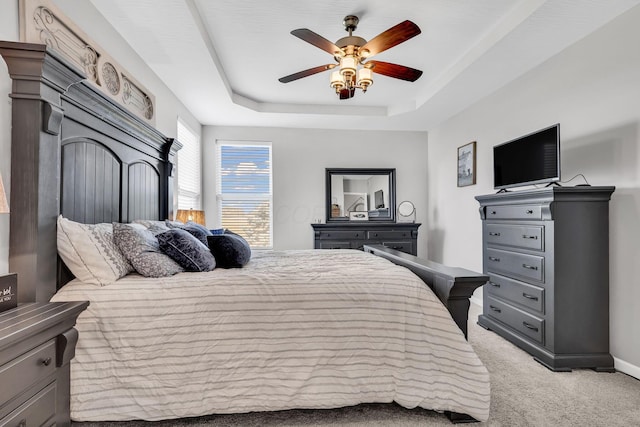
[
  {"x": 196, "y": 230},
  {"x": 186, "y": 250},
  {"x": 142, "y": 250},
  {"x": 230, "y": 250}
]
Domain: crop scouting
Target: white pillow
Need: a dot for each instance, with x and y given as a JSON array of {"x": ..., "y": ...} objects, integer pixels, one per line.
[{"x": 90, "y": 253}]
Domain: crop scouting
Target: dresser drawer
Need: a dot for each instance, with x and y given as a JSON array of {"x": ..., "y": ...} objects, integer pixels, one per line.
[
  {"x": 514, "y": 264},
  {"x": 334, "y": 244},
  {"x": 342, "y": 234},
  {"x": 35, "y": 411},
  {"x": 25, "y": 370},
  {"x": 523, "y": 322},
  {"x": 514, "y": 212},
  {"x": 519, "y": 236},
  {"x": 388, "y": 235},
  {"x": 529, "y": 296}
]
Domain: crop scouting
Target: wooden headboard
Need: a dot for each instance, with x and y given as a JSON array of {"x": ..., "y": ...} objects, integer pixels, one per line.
[{"x": 77, "y": 153}]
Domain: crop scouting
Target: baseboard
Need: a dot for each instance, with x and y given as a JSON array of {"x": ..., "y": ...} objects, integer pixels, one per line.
[
  {"x": 619, "y": 364},
  {"x": 476, "y": 300},
  {"x": 626, "y": 367}
]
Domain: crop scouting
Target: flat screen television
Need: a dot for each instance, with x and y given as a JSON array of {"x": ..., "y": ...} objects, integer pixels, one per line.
[
  {"x": 378, "y": 199},
  {"x": 527, "y": 160}
]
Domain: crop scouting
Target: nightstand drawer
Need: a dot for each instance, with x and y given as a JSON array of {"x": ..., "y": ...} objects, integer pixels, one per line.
[
  {"x": 514, "y": 212},
  {"x": 514, "y": 264},
  {"x": 388, "y": 235},
  {"x": 340, "y": 234},
  {"x": 25, "y": 370},
  {"x": 526, "y": 295},
  {"x": 517, "y": 319},
  {"x": 520, "y": 236},
  {"x": 35, "y": 411}
]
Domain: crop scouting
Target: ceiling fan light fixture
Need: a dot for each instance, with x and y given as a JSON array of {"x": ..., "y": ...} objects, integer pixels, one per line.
[
  {"x": 337, "y": 80},
  {"x": 365, "y": 78},
  {"x": 353, "y": 69},
  {"x": 348, "y": 66}
]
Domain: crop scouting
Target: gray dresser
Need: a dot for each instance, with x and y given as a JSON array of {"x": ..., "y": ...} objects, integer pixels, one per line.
[
  {"x": 546, "y": 252},
  {"x": 354, "y": 235}
]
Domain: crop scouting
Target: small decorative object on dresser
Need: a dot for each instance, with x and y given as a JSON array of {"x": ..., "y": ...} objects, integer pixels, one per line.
[
  {"x": 37, "y": 343},
  {"x": 8, "y": 292},
  {"x": 356, "y": 234},
  {"x": 546, "y": 252},
  {"x": 406, "y": 212}
]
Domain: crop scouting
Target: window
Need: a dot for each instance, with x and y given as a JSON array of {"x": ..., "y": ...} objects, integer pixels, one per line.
[
  {"x": 189, "y": 180},
  {"x": 243, "y": 194}
]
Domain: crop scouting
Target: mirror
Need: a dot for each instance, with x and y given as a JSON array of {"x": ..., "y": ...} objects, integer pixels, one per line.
[{"x": 361, "y": 194}]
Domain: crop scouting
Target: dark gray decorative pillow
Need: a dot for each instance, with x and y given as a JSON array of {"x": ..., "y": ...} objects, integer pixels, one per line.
[
  {"x": 196, "y": 230},
  {"x": 186, "y": 250},
  {"x": 142, "y": 250},
  {"x": 230, "y": 250}
]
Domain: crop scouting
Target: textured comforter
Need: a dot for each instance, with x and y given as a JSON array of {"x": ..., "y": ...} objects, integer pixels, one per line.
[{"x": 293, "y": 329}]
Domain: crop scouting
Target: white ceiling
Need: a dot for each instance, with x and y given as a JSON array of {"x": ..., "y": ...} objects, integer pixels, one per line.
[{"x": 223, "y": 58}]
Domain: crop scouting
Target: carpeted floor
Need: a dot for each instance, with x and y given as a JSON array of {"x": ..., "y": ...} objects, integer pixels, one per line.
[{"x": 523, "y": 393}]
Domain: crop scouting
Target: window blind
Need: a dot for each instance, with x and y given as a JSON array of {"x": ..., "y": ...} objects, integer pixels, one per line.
[
  {"x": 244, "y": 191},
  {"x": 189, "y": 169}
]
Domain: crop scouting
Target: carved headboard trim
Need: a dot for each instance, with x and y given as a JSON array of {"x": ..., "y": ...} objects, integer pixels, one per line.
[{"x": 53, "y": 107}]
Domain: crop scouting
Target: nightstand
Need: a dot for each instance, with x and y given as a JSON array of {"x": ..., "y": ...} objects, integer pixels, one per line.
[{"x": 37, "y": 342}]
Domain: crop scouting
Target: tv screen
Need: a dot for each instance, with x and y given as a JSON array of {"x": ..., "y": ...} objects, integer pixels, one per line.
[
  {"x": 379, "y": 200},
  {"x": 530, "y": 159}
]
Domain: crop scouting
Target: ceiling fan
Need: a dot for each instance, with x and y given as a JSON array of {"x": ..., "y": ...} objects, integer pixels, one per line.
[{"x": 352, "y": 53}]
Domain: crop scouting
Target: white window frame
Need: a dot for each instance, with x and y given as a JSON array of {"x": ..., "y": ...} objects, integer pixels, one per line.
[
  {"x": 244, "y": 196},
  {"x": 189, "y": 167}
]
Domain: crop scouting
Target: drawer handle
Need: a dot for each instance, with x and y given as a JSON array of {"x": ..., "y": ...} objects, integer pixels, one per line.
[
  {"x": 494, "y": 259},
  {"x": 357, "y": 235},
  {"x": 525, "y": 236},
  {"x": 529, "y": 211},
  {"x": 46, "y": 362},
  {"x": 531, "y": 297},
  {"x": 496, "y": 309},
  {"x": 493, "y": 212},
  {"x": 529, "y": 267},
  {"x": 493, "y": 233},
  {"x": 495, "y": 285},
  {"x": 375, "y": 234},
  {"x": 530, "y": 326}
]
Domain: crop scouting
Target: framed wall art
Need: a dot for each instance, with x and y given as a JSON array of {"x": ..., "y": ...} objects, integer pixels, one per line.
[{"x": 467, "y": 164}]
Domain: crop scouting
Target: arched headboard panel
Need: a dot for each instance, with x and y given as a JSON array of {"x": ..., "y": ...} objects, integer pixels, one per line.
[
  {"x": 143, "y": 190},
  {"x": 76, "y": 152},
  {"x": 90, "y": 183}
]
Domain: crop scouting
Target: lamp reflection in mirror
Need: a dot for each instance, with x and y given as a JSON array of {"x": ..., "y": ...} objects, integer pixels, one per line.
[
  {"x": 186, "y": 215},
  {"x": 4, "y": 206}
]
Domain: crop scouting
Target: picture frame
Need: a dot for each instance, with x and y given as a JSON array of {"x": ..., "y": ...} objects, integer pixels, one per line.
[
  {"x": 467, "y": 164},
  {"x": 358, "y": 216}
]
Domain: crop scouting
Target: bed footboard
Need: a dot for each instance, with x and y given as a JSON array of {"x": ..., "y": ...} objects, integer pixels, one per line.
[{"x": 454, "y": 286}]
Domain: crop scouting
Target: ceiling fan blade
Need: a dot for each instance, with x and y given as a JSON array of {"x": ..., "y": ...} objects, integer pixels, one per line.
[
  {"x": 306, "y": 73},
  {"x": 392, "y": 37},
  {"x": 394, "y": 70},
  {"x": 317, "y": 40}
]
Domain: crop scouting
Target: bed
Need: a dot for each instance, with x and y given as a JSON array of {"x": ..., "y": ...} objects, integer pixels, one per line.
[{"x": 291, "y": 329}]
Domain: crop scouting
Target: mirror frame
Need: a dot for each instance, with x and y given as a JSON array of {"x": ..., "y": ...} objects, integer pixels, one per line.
[{"x": 390, "y": 172}]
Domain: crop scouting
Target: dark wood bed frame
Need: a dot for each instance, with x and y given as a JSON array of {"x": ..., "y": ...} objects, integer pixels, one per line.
[{"x": 77, "y": 153}]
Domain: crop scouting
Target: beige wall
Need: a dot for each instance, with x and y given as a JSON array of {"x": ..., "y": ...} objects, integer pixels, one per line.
[
  {"x": 593, "y": 90},
  {"x": 300, "y": 157}
]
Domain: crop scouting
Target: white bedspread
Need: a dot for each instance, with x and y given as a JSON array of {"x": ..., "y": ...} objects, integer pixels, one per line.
[{"x": 294, "y": 329}]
